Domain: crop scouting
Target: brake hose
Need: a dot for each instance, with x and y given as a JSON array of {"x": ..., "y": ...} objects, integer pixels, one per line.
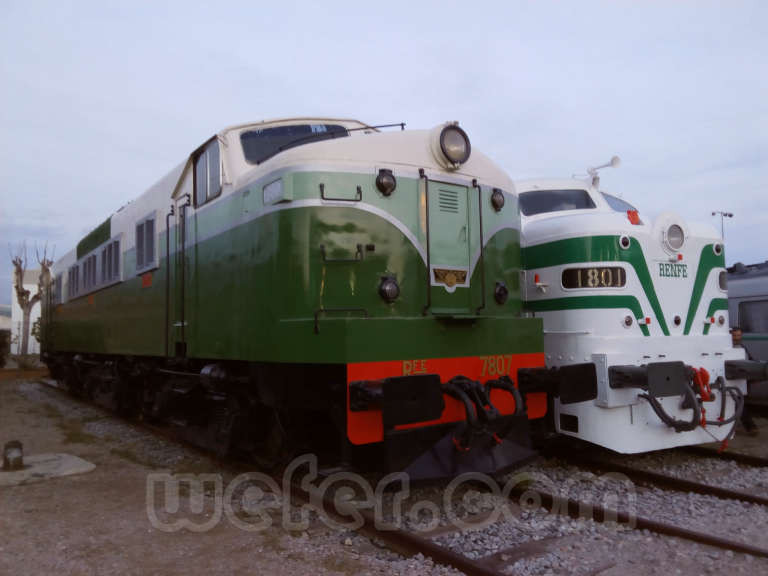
[
  {"x": 738, "y": 400},
  {"x": 505, "y": 383},
  {"x": 678, "y": 425}
]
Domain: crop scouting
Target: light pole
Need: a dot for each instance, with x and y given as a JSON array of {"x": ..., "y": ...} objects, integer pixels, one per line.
[{"x": 722, "y": 216}]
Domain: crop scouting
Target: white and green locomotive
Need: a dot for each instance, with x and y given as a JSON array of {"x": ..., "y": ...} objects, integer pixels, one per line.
[{"x": 635, "y": 314}]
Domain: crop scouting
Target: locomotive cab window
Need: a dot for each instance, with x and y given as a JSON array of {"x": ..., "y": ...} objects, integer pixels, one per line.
[
  {"x": 617, "y": 204},
  {"x": 543, "y": 201},
  {"x": 145, "y": 244},
  {"x": 260, "y": 145},
  {"x": 208, "y": 173}
]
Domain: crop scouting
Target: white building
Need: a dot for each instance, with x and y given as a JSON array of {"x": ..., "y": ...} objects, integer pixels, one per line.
[{"x": 17, "y": 318}]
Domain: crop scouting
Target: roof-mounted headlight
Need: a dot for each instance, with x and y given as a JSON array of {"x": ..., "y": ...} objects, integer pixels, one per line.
[{"x": 453, "y": 148}]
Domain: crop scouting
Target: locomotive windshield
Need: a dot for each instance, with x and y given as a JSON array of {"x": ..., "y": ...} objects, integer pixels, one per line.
[
  {"x": 263, "y": 143},
  {"x": 617, "y": 204},
  {"x": 542, "y": 201}
]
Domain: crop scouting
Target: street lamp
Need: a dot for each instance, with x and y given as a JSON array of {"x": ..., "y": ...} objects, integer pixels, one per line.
[{"x": 722, "y": 215}]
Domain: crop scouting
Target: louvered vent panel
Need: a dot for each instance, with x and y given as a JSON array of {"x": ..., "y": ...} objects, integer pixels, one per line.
[{"x": 448, "y": 201}]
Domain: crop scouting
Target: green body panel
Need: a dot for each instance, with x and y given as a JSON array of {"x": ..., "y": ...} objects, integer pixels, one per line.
[
  {"x": 253, "y": 286},
  {"x": 715, "y": 305},
  {"x": 95, "y": 238},
  {"x": 588, "y": 302},
  {"x": 596, "y": 249},
  {"x": 124, "y": 318},
  {"x": 707, "y": 261}
]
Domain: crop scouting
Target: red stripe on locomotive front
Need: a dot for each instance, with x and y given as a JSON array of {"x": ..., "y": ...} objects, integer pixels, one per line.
[{"x": 366, "y": 427}]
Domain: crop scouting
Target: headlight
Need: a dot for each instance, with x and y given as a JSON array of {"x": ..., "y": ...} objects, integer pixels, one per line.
[
  {"x": 386, "y": 182},
  {"x": 675, "y": 237},
  {"x": 497, "y": 199},
  {"x": 500, "y": 293},
  {"x": 454, "y": 144},
  {"x": 388, "y": 289}
]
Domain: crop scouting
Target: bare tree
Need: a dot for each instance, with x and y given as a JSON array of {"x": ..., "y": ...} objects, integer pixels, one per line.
[{"x": 24, "y": 297}]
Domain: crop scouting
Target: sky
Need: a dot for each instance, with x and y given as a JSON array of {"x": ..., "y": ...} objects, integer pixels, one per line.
[{"x": 98, "y": 100}]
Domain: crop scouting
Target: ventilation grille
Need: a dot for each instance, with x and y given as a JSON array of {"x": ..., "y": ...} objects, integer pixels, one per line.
[{"x": 448, "y": 201}]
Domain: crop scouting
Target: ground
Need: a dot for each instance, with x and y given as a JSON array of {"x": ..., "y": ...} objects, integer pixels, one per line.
[
  {"x": 97, "y": 523},
  {"x": 100, "y": 522}
]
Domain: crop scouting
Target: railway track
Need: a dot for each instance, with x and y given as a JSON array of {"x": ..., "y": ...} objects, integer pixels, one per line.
[
  {"x": 650, "y": 478},
  {"x": 402, "y": 541},
  {"x": 409, "y": 542},
  {"x": 739, "y": 457}
]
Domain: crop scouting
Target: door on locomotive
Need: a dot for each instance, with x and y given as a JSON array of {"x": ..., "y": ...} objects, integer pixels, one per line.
[
  {"x": 448, "y": 240},
  {"x": 180, "y": 264},
  {"x": 634, "y": 312}
]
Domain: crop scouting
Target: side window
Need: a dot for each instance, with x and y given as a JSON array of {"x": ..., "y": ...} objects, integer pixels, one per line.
[
  {"x": 57, "y": 288},
  {"x": 116, "y": 260},
  {"x": 110, "y": 262},
  {"x": 208, "y": 173},
  {"x": 92, "y": 271},
  {"x": 73, "y": 287},
  {"x": 145, "y": 244},
  {"x": 753, "y": 316}
]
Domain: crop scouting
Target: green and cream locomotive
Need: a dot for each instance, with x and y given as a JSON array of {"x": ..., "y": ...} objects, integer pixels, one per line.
[
  {"x": 312, "y": 284},
  {"x": 635, "y": 318}
]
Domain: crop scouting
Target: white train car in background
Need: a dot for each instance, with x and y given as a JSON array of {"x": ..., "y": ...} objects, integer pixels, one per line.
[{"x": 635, "y": 313}]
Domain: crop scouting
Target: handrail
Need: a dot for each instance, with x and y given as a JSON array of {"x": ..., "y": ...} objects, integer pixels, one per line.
[
  {"x": 357, "y": 258},
  {"x": 482, "y": 242},
  {"x": 358, "y": 195},
  {"x": 422, "y": 175},
  {"x": 168, "y": 275}
]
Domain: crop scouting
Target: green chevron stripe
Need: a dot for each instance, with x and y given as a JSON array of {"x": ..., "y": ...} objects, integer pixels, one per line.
[
  {"x": 715, "y": 305},
  {"x": 707, "y": 261},
  {"x": 587, "y": 302},
  {"x": 597, "y": 249}
]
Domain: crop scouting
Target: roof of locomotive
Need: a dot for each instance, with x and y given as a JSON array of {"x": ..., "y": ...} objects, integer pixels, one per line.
[{"x": 408, "y": 149}]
